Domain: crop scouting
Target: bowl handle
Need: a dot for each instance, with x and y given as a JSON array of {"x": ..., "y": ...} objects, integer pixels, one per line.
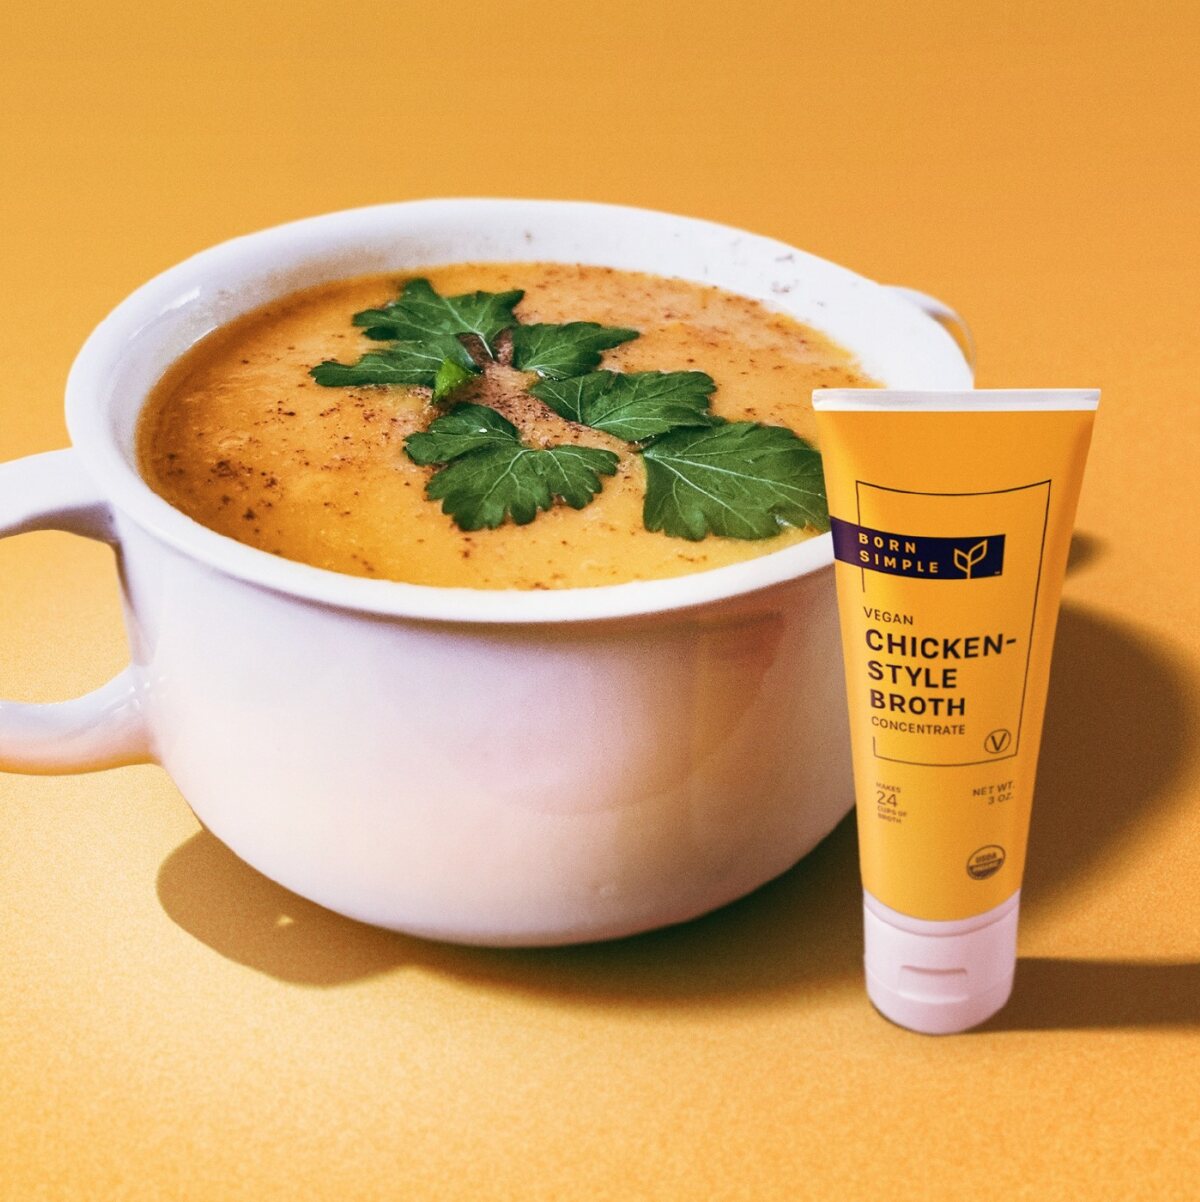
[
  {"x": 103, "y": 729},
  {"x": 945, "y": 317}
]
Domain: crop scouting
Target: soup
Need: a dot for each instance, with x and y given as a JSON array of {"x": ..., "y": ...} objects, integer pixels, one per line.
[{"x": 241, "y": 437}]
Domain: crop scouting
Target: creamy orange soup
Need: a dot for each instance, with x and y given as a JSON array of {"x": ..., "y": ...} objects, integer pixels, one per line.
[{"x": 239, "y": 436}]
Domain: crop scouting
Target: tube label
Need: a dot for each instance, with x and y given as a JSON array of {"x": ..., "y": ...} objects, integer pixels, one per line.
[
  {"x": 950, "y": 533},
  {"x": 945, "y": 675}
]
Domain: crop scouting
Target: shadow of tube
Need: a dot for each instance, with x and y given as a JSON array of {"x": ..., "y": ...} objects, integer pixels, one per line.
[
  {"x": 1120, "y": 724},
  {"x": 1086, "y": 549},
  {"x": 1072, "y": 995}
]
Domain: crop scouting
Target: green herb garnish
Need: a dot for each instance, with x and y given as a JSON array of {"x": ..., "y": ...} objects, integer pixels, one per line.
[
  {"x": 703, "y": 475},
  {"x": 491, "y": 475},
  {"x": 407, "y": 363},
  {"x": 420, "y": 315},
  {"x": 738, "y": 480},
  {"x": 558, "y": 352},
  {"x": 631, "y": 405},
  {"x": 450, "y": 374},
  {"x": 428, "y": 332}
]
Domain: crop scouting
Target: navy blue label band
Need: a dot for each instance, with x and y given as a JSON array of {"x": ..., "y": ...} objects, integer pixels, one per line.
[{"x": 967, "y": 558}]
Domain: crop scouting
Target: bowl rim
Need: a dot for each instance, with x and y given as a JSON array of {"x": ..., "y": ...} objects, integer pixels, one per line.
[{"x": 144, "y": 311}]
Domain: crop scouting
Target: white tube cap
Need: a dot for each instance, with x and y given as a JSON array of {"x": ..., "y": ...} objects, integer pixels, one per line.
[{"x": 939, "y": 977}]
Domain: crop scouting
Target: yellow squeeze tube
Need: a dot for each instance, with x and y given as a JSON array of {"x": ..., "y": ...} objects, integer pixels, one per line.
[{"x": 951, "y": 515}]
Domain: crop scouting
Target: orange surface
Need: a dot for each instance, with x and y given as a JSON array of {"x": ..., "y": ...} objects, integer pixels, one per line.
[{"x": 171, "y": 1025}]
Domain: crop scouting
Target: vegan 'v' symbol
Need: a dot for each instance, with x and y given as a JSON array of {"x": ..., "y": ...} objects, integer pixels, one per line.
[
  {"x": 966, "y": 560},
  {"x": 997, "y": 741}
]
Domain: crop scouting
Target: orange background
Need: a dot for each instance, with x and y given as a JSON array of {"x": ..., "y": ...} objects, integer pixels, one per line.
[{"x": 172, "y": 1025}]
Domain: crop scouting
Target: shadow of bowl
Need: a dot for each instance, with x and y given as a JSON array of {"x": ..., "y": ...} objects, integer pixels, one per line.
[{"x": 799, "y": 932}]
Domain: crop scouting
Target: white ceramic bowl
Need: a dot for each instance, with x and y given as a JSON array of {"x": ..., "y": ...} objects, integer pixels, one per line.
[{"x": 488, "y": 767}]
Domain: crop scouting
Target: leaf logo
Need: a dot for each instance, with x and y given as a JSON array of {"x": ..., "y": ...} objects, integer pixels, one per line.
[{"x": 966, "y": 560}]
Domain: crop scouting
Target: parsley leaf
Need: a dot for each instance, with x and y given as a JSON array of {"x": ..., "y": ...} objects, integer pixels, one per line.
[
  {"x": 464, "y": 429},
  {"x": 739, "y": 480},
  {"x": 631, "y": 405},
  {"x": 406, "y": 363},
  {"x": 421, "y": 315},
  {"x": 491, "y": 475},
  {"x": 555, "y": 352},
  {"x": 450, "y": 374},
  {"x": 428, "y": 330}
]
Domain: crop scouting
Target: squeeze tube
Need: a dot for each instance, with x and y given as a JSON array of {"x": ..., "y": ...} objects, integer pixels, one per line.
[{"x": 951, "y": 515}]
